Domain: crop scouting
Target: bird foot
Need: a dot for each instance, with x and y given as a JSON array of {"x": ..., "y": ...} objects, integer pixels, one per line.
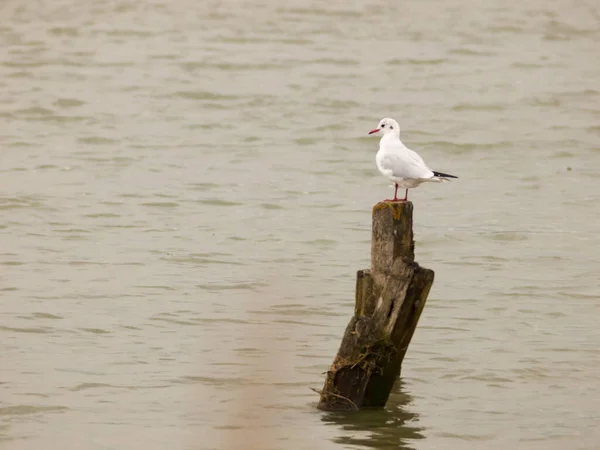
[{"x": 395, "y": 200}]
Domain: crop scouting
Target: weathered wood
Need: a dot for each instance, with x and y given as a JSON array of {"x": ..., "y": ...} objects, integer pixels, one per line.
[
  {"x": 365, "y": 293},
  {"x": 392, "y": 237},
  {"x": 389, "y": 300}
]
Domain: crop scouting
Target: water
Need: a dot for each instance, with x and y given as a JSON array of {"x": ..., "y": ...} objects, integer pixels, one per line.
[{"x": 186, "y": 196}]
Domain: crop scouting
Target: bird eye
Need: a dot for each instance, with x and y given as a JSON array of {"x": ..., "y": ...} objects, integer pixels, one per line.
[
  {"x": 391, "y": 127},
  {"x": 383, "y": 126}
]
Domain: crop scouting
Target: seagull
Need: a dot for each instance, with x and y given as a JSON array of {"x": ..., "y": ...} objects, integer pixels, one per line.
[{"x": 399, "y": 163}]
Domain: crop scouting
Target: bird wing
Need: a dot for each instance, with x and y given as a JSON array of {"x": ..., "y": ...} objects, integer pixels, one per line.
[{"x": 402, "y": 162}]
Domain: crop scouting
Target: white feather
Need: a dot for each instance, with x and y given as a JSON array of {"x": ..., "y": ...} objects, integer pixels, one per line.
[{"x": 399, "y": 163}]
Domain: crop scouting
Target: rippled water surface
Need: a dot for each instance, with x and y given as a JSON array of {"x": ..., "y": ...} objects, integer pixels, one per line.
[{"x": 186, "y": 197}]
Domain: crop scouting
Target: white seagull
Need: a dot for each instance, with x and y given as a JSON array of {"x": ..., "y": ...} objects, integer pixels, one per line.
[{"x": 399, "y": 163}]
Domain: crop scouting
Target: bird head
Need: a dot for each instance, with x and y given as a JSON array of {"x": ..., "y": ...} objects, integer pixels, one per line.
[{"x": 386, "y": 126}]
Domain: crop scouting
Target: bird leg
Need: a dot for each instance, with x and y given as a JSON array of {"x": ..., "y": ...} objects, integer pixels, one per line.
[{"x": 395, "y": 199}]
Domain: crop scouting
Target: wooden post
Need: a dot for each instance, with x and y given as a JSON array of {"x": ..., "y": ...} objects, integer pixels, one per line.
[{"x": 389, "y": 300}]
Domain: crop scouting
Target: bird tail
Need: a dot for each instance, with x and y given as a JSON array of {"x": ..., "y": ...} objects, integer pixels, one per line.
[{"x": 442, "y": 175}]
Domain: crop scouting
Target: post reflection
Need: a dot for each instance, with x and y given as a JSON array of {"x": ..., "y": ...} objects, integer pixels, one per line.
[{"x": 393, "y": 427}]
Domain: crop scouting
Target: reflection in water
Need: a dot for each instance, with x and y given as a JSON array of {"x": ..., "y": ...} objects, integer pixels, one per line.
[{"x": 392, "y": 427}]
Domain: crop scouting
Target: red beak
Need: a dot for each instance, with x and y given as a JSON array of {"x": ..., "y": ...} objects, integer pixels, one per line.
[{"x": 374, "y": 131}]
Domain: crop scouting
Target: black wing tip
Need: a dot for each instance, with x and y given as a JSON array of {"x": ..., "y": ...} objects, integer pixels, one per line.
[{"x": 443, "y": 175}]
